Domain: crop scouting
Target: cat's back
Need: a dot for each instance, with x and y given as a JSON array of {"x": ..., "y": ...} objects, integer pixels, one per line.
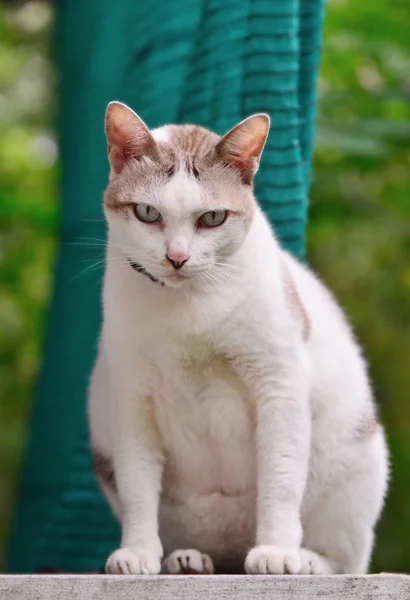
[
  {"x": 326, "y": 323},
  {"x": 340, "y": 394}
]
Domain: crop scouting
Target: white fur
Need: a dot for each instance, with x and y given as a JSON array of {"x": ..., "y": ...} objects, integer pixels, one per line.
[
  {"x": 188, "y": 560},
  {"x": 161, "y": 134},
  {"x": 227, "y": 429}
]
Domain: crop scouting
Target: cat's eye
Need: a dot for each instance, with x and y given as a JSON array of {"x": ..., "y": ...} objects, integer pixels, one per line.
[
  {"x": 147, "y": 213},
  {"x": 213, "y": 218}
]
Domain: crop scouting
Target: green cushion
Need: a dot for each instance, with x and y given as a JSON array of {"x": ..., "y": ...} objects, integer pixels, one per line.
[{"x": 211, "y": 62}]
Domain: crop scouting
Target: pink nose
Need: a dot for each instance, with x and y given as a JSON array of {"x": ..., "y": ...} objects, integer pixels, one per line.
[{"x": 177, "y": 259}]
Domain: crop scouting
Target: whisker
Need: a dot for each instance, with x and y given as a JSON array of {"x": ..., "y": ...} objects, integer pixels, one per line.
[
  {"x": 224, "y": 275},
  {"x": 96, "y": 266},
  {"x": 94, "y": 244},
  {"x": 89, "y": 269}
]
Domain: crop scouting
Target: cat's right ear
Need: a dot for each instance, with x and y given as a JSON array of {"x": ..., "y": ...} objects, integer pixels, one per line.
[
  {"x": 128, "y": 137},
  {"x": 242, "y": 147}
]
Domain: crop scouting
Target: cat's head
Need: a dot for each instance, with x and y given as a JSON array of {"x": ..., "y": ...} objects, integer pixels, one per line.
[{"x": 180, "y": 200}]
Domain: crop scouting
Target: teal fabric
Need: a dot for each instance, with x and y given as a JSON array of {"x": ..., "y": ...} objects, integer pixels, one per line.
[{"x": 211, "y": 62}]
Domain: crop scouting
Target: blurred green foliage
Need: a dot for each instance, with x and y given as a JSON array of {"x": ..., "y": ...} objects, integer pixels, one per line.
[
  {"x": 358, "y": 237},
  {"x": 359, "y": 230},
  {"x": 28, "y": 224}
]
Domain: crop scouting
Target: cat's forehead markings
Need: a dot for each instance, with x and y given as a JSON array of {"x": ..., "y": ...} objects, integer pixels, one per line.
[
  {"x": 189, "y": 142},
  {"x": 192, "y": 140},
  {"x": 183, "y": 146}
]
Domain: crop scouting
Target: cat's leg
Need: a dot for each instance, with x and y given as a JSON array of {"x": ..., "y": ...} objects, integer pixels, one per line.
[
  {"x": 127, "y": 461},
  {"x": 137, "y": 462},
  {"x": 188, "y": 562},
  {"x": 279, "y": 382},
  {"x": 338, "y": 531},
  {"x": 126, "y": 561}
]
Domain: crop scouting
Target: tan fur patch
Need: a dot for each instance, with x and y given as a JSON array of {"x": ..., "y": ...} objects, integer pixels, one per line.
[
  {"x": 112, "y": 201},
  {"x": 192, "y": 140},
  {"x": 104, "y": 470},
  {"x": 295, "y": 303},
  {"x": 188, "y": 147}
]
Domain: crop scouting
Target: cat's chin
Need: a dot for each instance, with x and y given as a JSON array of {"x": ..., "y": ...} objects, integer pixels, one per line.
[{"x": 176, "y": 281}]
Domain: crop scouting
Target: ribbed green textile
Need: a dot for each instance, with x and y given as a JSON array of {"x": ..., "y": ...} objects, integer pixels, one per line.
[{"x": 211, "y": 62}]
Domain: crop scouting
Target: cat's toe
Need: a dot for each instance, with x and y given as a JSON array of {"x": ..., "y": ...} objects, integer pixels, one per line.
[
  {"x": 314, "y": 564},
  {"x": 272, "y": 560},
  {"x": 132, "y": 562},
  {"x": 188, "y": 562}
]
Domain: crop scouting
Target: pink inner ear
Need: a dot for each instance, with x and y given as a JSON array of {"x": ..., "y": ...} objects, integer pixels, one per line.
[
  {"x": 239, "y": 162},
  {"x": 243, "y": 160},
  {"x": 127, "y": 142},
  {"x": 242, "y": 146},
  {"x": 132, "y": 141}
]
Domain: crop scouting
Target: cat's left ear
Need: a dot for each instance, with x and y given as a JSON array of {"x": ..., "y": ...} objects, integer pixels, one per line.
[
  {"x": 242, "y": 146},
  {"x": 128, "y": 137}
]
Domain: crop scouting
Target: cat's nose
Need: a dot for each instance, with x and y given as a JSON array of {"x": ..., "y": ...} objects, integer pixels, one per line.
[{"x": 177, "y": 259}]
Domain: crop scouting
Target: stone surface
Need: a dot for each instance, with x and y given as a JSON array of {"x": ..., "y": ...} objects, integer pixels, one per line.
[{"x": 105, "y": 587}]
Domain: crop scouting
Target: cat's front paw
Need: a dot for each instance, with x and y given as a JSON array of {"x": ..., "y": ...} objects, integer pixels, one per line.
[
  {"x": 273, "y": 560},
  {"x": 188, "y": 562},
  {"x": 315, "y": 564},
  {"x": 133, "y": 562}
]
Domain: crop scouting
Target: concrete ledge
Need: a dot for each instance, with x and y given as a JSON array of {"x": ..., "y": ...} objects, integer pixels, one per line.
[{"x": 108, "y": 587}]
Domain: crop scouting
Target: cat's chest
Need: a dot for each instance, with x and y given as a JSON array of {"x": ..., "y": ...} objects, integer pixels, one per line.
[
  {"x": 205, "y": 418},
  {"x": 194, "y": 377}
]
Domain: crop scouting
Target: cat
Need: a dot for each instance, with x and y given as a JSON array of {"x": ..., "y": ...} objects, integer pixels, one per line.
[{"x": 231, "y": 415}]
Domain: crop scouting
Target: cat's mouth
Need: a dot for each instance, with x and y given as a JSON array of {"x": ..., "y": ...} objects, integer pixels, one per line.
[{"x": 174, "y": 280}]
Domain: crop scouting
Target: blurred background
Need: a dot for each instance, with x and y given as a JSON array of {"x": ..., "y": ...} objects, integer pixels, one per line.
[{"x": 358, "y": 233}]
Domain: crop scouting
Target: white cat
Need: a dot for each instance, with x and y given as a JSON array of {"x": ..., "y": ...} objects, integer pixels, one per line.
[{"x": 231, "y": 413}]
